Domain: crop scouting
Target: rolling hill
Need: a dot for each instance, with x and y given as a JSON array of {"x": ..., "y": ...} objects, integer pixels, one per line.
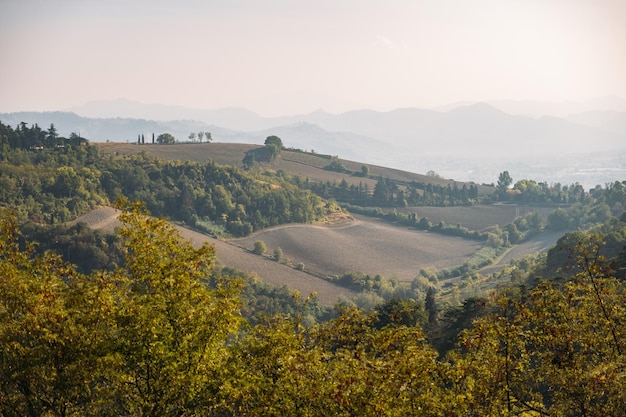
[
  {"x": 362, "y": 244},
  {"x": 297, "y": 163}
]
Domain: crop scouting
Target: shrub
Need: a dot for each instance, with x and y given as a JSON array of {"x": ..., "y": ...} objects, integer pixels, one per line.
[{"x": 259, "y": 247}]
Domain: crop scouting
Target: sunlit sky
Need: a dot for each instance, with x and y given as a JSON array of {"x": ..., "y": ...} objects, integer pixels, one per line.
[{"x": 290, "y": 56}]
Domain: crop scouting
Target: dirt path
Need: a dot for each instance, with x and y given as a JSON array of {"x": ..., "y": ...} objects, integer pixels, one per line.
[
  {"x": 540, "y": 243},
  {"x": 272, "y": 272}
]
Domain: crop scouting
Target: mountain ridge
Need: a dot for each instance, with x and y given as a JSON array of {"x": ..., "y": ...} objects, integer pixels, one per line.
[{"x": 472, "y": 142}]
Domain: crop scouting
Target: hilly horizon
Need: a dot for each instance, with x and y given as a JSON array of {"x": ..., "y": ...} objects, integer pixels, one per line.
[
  {"x": 470, "y": 142},
  {"x": 578, "y": 127}
]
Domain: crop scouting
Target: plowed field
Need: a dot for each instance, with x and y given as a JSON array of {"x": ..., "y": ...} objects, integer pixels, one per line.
[
  {"x": 269, "y": 271},
  {"x": 364, "y": 245}
]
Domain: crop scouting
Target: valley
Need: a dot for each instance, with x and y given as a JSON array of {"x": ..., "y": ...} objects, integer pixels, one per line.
[{"x": 361, "y": 244}]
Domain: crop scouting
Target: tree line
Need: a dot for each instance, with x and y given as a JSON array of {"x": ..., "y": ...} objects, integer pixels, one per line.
[
  {"x": 55, "y": 185},
  {"x": 390, "y": 193}
]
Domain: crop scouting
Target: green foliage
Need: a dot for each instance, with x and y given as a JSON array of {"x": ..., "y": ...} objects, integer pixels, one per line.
[
  {"x": 260, "y": 247},
  {"x": 146, "y": 339},
  {"x": 504, "y": 181},
  {"x": 89, "y": 250},
  {"x": 343, "y": 368},
  {"x": 401, "y": 312},
  {"x": 419, "y": 223},
  {"x": 52, "y": 186},
  {"x": 55, "y": 331},
  {"x": 278, "y": 254},
  {"x": 275, "y": 144},
  {"x": 555, "y": 350},
  {"x": 336, "y": 165},
  {"x": 161, "y": 336},
  {"x": 166, "y": 139},
  {"x": 558, "y": 220},
  {"x": 172, "y": 327},
  {"x": 248, "y": 160},
  {"x": 533, "y": 192},
  {"x": 392, "y": 193},
  {"x": 159, "y": 332}
]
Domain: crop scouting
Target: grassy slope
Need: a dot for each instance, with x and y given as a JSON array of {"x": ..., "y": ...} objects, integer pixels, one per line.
[{"x": 304, "y": 164}]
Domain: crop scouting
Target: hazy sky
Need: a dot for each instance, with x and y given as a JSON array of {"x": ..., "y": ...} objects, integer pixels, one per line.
[{"x": 293, "y": 56}]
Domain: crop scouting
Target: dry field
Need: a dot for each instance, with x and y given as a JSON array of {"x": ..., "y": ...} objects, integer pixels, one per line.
[
  {"x": 363, "y": 245},
  {"x": 359, "y": 244},
  {"x": 540, "y": 243},
  {"x": 306, "y": 165},
  {"x": 478, "y": 217},
  {"x": 221, "y": 153},
  {"x": 269, "y": 271}
]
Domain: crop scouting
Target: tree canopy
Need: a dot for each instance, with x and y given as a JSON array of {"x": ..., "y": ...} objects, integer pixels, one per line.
[
  {"x": 163, "y": 336},
  {"x": 275, "y": 144},
  {"x": 166, "y": 138}
]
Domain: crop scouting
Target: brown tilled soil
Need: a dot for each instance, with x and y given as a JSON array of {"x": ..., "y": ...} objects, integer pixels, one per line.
[
  {"x": 103, "y": 218},
  {"x": 478, "y": 217},
  {"x": 363, "y": 245},
  {"x": 272, "y": 272}
]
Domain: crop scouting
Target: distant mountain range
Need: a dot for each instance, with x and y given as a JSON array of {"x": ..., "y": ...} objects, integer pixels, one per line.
[{"x": 401, "y": 138}]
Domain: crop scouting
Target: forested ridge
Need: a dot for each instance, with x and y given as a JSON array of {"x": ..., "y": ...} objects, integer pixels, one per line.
[
  {"x": 149, "y": 326},
  {"x": 52, "y": 180}
]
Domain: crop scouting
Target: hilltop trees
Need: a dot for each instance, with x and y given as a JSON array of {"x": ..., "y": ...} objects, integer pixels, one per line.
[
  {"x": 165, "y": 138},
  {"x": 504, "y": 182},
  {"x": 57, "y": 185},
  {"x": 275, "y": 144}
]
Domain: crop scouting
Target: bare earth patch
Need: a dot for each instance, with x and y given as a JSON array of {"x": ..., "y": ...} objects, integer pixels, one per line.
[
  {"x": 480, "y": 217},
  {"x": 272, "y": 272},
  {"x": 364, "y": 245}
]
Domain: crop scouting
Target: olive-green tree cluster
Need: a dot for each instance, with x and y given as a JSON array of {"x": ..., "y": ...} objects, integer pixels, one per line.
[
  {"x": 558, "y": 349},
  {"x": 166, "y": 139},
  {"x": 596, "y": 208},
  {"x": 393, "y": 193},
  {"x": 34, "y": 138},
  {"x": 195, "y": 193},
  {"x": 541, "y": 192},
  {"x": 275, "y": 144},
  {"x": 143, "y": 340}
]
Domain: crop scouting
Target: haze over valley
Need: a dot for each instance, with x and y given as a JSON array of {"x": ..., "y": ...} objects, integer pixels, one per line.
[{"x": 467, "y": 142}]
